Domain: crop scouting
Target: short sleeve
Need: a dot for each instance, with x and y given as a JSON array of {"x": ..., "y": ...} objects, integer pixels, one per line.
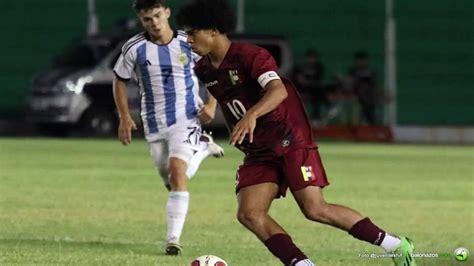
[
  {"x": 264, "y": 68},
  {"x": 125, "y": 65},
  {"x": 262, "y": 62}
]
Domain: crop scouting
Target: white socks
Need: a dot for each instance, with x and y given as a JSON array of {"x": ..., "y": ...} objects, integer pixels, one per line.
[
  {"x": 390, "y": 243},
  {"x": 196, "y": 160},
  {"x": 305, "y": 262},
  {"x": 176, "y": 208}
]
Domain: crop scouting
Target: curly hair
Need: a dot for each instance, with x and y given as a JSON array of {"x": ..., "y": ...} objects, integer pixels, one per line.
[
  {"x": 207, "y": 14},
  {"x": 139, "y": 5}
]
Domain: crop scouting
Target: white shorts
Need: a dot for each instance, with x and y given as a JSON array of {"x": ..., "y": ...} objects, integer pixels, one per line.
[{"x": 181, "y": 141}]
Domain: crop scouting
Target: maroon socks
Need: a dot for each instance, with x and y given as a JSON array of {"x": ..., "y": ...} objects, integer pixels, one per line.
[
  {"x": 367, "y": 231},
  {"x": 282, "y": 247}
]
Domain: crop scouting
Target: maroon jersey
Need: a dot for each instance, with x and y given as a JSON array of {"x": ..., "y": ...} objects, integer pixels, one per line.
[{"x": 235, "y": 86}]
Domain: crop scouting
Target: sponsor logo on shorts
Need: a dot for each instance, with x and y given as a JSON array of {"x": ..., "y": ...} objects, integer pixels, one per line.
[
  {"x": 285, "y": 143},
  {"x": 308, "y": 174}
]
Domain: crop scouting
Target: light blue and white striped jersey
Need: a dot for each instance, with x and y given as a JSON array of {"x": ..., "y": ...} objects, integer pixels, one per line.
[{"x": 168, "y": 85}]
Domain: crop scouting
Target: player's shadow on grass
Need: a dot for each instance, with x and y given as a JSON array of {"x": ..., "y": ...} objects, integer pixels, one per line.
[{"x": 149, "y": 249}]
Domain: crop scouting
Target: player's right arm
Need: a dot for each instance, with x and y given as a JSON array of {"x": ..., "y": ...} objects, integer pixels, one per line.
[
  {"x": 123, "y": 71},
  {"x": 208, "y": 111},
  {"x": 121, "y": 102}
]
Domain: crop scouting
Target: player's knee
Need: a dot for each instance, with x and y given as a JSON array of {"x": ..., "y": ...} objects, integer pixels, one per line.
[
  {"x": 318, "y": 213},
  {"x": 177, "y": 171},
  {"x": 177, "y": 166},
  {"x": 250, "y": 218},
  {"x": 177, "y": 178},
  {"x": 178, "y": 182}
]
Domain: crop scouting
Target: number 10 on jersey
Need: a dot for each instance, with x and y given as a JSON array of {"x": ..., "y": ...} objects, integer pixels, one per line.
[{"x": 236, "y": 108}]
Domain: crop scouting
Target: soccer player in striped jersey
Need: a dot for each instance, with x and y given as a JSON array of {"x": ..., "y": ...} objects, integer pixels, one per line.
[
  {"x": 269, "y": 124},
  {"x": 162, "y": 62}
]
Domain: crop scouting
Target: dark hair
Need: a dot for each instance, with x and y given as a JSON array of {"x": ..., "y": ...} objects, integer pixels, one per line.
[
  {"x": 139, "y": 5},
  {"x": 207, "y": 14}
]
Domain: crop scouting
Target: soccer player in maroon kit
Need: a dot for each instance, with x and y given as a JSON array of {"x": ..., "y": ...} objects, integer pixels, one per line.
[{"x": 269, "y": 124}]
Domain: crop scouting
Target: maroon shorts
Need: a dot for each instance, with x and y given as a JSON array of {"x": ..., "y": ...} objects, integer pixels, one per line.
[{"x": 296, "y": 170}]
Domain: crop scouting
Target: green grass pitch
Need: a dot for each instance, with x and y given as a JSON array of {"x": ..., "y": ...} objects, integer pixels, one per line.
[{"x": 95, "y": 202}]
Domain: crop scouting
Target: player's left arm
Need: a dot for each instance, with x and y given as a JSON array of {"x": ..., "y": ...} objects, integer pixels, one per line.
[{"x": 275, "y": 94}]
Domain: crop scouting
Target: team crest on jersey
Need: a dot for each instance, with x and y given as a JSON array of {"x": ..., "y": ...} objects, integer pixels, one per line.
[
  {"x": 234, "y": 76},
  {"x": 308, "y": 173},
  {"x": 183, "y": 58}
]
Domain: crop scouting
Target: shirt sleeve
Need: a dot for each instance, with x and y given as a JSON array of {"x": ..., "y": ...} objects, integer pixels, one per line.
[
  {"x": 125, "y": 65},
  {"x": 264, "y": 68}
]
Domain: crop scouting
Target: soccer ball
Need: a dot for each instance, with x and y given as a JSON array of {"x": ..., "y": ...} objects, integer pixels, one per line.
[{"x": 208, "y": 260}]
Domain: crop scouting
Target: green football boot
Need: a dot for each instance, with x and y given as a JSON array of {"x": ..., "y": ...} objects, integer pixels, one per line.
[{"x": 403, "y": 253}]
